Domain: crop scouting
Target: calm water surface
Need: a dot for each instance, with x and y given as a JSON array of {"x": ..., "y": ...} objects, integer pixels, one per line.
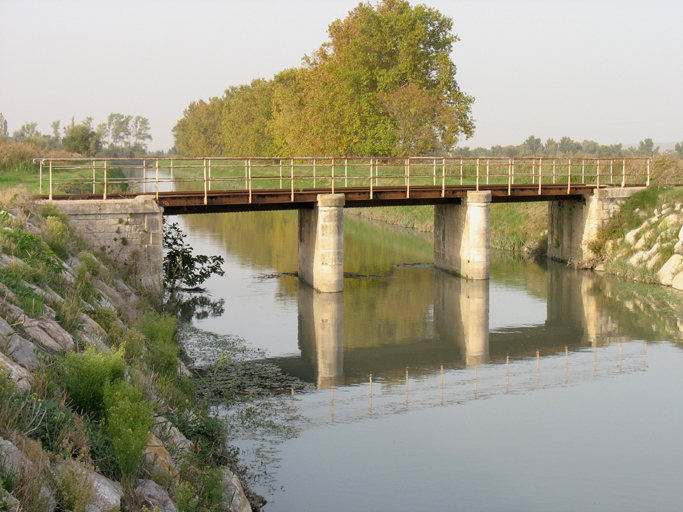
[{"x": 544, "y": 389}]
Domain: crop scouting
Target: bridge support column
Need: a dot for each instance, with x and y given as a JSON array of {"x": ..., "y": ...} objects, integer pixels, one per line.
[
  {"x": 321, "y": 244},
  {"x": 462, "y": 236},
  {"x": 573, "y": 225},
  {"x": 129, "y": 231}
]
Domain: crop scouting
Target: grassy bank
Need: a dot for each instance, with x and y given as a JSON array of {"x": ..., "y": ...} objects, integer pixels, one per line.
[{"x": 92, "y": 381}]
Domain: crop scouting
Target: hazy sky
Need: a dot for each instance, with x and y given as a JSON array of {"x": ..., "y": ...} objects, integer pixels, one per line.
[{"x": 611, "y": 71}]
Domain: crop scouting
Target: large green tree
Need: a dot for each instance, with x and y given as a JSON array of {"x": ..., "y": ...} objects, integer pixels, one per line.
[{"x": 383, "y": 84}]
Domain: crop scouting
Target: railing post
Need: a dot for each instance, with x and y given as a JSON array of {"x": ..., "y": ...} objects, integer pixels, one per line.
[
  {"x": 509, "y": 176},
  {"x": 280, "y": 173},
  {"x": 540, "y": 175},
  {"x": 104, "y": 194},
  {"x": 157, "y": 177},
  {"x": 443, "y": 178},
  {"x": 598, "y": 173},
  {"x": 246, "y": 174},
  {"x": 314, "y": 173},
  {"x": 206, "y": 190},
  {"x": 649, "y": 160},
  {"x": 583, "y": 172},
  {"x": 623, "y": 174},
  {"x": 371, "y": 191},
  {"x": 172, "y": 179},
  {"x": 210, "y": 180},
  {"x": 40, "y": 178},
  {"x": 408, "y": 180},
  {"x": 461, "y": 171},
  {"x": 105, "y": 197},
  {"x": 291, "y": 164},
  {"x": 333, "y": 175},
  {"x": 477, "y": 174},
  {"x": 250, "y": 185},
  {"x": 569, "y": 176},
  {"x": 434, "y": 162},
  {"x": 346, "y": 172},
  {"x": 533, "y": 171},
  {"x": 94, "y": 177}
]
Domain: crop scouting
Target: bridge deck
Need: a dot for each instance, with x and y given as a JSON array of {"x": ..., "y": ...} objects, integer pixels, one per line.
[{"x": 186, "y": 202}]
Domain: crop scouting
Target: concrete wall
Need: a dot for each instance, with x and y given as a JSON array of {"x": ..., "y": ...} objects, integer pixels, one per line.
[
  {"x": 321, "y": 244},
  {"x": 462, "y": 236},
  {"x": 129, "y": 231},
  {"x": 573, "y": 225}
]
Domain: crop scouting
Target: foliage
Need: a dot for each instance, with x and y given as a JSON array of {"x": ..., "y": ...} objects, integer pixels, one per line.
[
  {"x": 87, "y": 376},
  {"x": 181, "y": 267},
  {"x": 163, "y": 351},
  {"x": 74, "y": 487},
  {"x": 129, "y": 419},
  {"x": 79, "y": 139},
  {"x": 383, "y": 85}
]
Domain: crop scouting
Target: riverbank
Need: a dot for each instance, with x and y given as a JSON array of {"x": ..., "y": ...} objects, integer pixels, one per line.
[{"x": 98, "y": 411}]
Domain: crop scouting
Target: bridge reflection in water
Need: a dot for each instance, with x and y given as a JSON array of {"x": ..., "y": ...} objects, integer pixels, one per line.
[{"x": 463, "y": 359}]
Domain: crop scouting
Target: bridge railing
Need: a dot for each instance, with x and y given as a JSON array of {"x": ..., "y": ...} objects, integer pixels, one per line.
[{"x": 107, "y": 176}]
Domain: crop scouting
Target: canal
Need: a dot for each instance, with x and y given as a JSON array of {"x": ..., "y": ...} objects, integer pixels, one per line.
[{"x": 544, "y": 388}]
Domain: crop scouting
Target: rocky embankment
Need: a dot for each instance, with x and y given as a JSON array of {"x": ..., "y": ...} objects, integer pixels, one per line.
[
  {"x": 653, "y": 251},
  {"x": 58, "y": 304}
]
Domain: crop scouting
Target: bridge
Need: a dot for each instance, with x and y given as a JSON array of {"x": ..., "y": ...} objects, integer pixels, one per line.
[{"x": 118, "y": 204}]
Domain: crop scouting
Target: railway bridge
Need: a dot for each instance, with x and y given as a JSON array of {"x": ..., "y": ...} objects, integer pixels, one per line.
[{"x": 118, "y": 204}]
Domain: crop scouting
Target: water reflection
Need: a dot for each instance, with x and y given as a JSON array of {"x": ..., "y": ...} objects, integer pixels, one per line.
[
  {"x": 461, "y": 315},
  {"x": 344, "y": 339}
]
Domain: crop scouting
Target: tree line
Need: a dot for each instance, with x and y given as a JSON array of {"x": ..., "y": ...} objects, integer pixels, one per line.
[
  {"x": 566, "y": 147},
  {"x": 120, "y": 136},
  {"x": 384, "y": 84}
]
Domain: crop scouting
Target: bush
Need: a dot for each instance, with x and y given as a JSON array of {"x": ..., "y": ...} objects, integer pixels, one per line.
[
  {"x": 129, "y": 419},
  {"x": 163, "y": 351},
  {"x": 86, "y": 377}
]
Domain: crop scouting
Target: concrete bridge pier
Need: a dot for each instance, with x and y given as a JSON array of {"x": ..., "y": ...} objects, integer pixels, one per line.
[
  {"x": 321, "y": 244},
  {"x": 462, "y": 236}
]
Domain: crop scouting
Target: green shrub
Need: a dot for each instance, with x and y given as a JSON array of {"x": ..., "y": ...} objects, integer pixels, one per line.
[
  {"x": 74, "y": 487},
  {"x": 129, "y": 419},
  {"x": 86, "y": 377},
  {"x": 163, "y": 350}
]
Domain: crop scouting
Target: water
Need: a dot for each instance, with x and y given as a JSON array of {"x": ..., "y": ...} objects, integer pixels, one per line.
[{"x": 544, "y": 389}]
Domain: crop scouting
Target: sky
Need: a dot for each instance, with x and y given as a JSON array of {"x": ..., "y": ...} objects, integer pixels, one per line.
[{"x": 603, "y": 70}]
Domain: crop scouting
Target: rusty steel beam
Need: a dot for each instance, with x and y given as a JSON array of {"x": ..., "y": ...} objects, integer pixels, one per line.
[{"x": 176, "y": 203}]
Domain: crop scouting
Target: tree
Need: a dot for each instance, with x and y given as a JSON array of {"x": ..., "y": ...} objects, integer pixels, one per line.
[
  {"x": 532, "y": 146},
  {"x": 679, "y": 149},
  {"x": 198, "y": 133},
  {"x": 80, "y": 139},
  {"x": 343, "y": 101},
  {"x": 181, "y": 268},
  {"x": 4, "y": 134},
  {"x": 647, "y": 147}
]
